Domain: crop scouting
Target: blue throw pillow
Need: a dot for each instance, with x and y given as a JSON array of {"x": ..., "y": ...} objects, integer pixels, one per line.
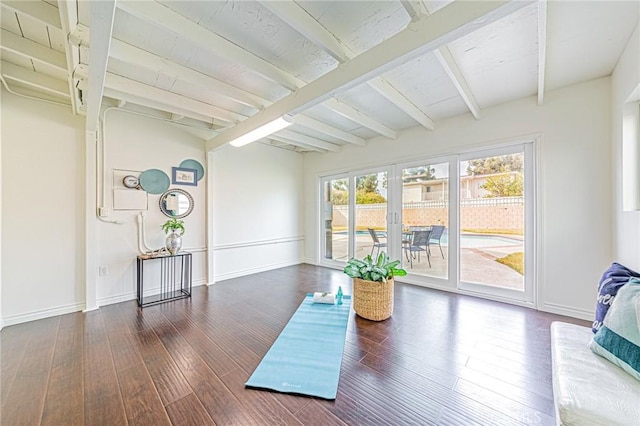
[
  {"x": 618, "y": 340},
  {"x": 612, "y": 279}
]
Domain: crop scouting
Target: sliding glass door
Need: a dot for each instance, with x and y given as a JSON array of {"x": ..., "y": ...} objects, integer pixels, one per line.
[
  {"x": 462, "y": 222},
  {"x": 425, "y": 215}
]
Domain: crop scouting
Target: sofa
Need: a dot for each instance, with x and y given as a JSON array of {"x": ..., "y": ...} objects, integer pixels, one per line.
[{"x": 588, "y": 389}]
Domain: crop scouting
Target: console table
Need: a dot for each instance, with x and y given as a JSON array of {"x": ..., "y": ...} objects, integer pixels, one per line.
[{"x": 169, "y": 278}]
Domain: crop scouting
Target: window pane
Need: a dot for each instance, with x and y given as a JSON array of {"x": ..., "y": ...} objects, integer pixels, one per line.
[
  {"x": 335, "y": 216},
  {"x": 425, "y": 208},
  {"x": 371, "y": 214}
]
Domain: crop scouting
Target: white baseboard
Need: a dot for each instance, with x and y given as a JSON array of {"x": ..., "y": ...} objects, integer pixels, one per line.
[
  {"x": 117, "y": 298},
  {"x": 264, "y": 268},
  {"x": 567, "y": 311},
  {"x": 134, "y": 295},
  {"x": 45, "y": 313}
]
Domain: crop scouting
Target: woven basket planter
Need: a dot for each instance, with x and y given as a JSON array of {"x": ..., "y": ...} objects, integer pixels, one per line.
[{"x": 373, "y": 300}]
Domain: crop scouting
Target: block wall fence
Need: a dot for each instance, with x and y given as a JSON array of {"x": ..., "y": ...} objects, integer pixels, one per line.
[{"x": 479, "y": 213}]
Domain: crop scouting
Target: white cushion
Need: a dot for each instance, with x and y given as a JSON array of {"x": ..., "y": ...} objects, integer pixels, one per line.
[{"x": 588, "y": 389}]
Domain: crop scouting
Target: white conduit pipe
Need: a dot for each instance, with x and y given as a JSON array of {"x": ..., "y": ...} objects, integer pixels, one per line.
[
  {"x": 144, "y": 236},
  {"x": 141, "y": 248}
]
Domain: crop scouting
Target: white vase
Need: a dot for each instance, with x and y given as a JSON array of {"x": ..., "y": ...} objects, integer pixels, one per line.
[{"x": 174, "y": 243}]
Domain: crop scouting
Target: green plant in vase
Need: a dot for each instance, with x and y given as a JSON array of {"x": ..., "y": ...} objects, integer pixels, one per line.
[
  {"x": 380, "y": 271},
  {"x": 174, "y": 239},
  {"x": 373, "y": 284}
]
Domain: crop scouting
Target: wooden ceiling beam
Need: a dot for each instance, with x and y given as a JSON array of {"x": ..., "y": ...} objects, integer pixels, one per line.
[
  {"x": 168, "y": 19},
  {"x": 296, "y": 17},
  {"x": 450, "y": 66},
  {"x": 542, "y": 48},
  {"x": 21, "y": 46},
  {"x": 312, "y": 123},
  {"x": 102, "y": 16},
  {"x": 145, "y": 102},
  {"x": 163, "y": 97},
  {"x": 134, "y": 55},
  {"x": 448, "y": 24},
  {"x": 34, "y": 79},
  {"x": 359, "y": 117},
  {"x": 296, "y": 142},
  {"x": 417, "y": 9},
  {"x": 283, "y": 141},
  {"x": 289, "y": 135},
  {"x": 68, "y": 14},
  {"x": 398, "y": 98}
]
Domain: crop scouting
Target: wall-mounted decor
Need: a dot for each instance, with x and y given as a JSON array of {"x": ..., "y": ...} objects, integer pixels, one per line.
[
  {"x": 131, "y": 181},
  {"x": 176, "y": 203},
  {"x": 154, "y": 181},
  {"x": 193, "y": 164},
  {"x": 184, "y": 176}
]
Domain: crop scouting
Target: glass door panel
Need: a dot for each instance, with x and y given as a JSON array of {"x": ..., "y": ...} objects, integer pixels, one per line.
[
  {"x": 335, "y": 219},
  {"x": 492, "y": 221},
  {"x": 371, "y": 214},
  {"x": 425, "y": 208}
]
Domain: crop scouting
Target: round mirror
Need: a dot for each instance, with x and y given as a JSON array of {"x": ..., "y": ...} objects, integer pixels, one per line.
[{"x": 176, "y": 203}]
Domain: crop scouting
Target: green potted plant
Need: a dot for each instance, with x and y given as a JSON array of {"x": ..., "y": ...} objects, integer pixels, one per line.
[
  {"x": 174, "y": 240},
  {"x": 373, "y": 284}
]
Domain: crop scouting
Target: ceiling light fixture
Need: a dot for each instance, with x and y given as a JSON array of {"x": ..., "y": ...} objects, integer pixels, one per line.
[{"x": 266, "y": 130}]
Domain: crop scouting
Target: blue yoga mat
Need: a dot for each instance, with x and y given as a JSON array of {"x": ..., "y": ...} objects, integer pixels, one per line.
[{"x": 307, "y": 355}]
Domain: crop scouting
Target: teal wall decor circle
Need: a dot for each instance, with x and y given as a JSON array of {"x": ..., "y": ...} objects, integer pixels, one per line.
[
  {"x": 193, "y": 164},
  {"x": 154, "y": 181}
]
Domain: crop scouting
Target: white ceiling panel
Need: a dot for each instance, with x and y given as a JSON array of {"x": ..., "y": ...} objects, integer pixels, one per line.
[
  {"x": 9, "y": 21},
  {"x": 586, "y": 38},
  {"x": 499, "y": 61},
  {"x": 423, "y": 82},
  {"x": 234, "y": 59},
  {"x": 359, "y": 25},
  {"x": 260, "y": 32},
  {"x": 371, "y": 103}
]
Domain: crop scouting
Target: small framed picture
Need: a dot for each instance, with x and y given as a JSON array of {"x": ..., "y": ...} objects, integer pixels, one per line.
[{"x": 184, "y": 176}]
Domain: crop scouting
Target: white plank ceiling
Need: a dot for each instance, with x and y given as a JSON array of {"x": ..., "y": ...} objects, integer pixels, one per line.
[{"x": 347, "y": 71}]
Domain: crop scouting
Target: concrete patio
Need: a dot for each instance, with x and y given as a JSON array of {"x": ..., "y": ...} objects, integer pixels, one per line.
[{"x": 477, "y": 264}]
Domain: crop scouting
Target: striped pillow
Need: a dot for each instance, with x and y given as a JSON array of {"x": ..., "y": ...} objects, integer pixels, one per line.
[{"x": 618, "y": 340}]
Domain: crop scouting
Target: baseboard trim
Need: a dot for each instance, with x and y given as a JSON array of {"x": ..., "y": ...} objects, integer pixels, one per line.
[
  {"x": 255, "y": 270},
  {"x": 117, "y": 299},
  {"x": 568, "y": 311},
  {"x": 44, "y": 313},
  {"x": 134, "y": 295}
]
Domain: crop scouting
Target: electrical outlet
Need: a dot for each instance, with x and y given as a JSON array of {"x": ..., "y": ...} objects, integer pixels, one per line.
[{"x": 103, "y": 271}]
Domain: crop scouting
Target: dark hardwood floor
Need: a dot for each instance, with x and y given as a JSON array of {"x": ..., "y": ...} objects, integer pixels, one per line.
[{"x": 440, "y": 359}]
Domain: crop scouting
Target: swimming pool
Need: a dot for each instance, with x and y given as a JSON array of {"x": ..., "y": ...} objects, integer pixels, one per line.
[{"x": 483, "y": 241}]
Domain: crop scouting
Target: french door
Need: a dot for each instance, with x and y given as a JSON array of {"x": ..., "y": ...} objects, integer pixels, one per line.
[{"x": 463, "y": 221}]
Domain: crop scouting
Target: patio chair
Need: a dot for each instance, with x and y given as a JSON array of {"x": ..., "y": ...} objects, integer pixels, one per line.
[
  {"x": 436, "y": 235},
  {"x": 419, "y": 243},
  {"x": 376, "y": 241}
]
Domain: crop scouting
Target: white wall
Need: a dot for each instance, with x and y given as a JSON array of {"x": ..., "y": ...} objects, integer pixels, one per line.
[
  {"x": 139, "y": 143},
  {"x": 574, "y": 174},
  {"x": 257, "y": 209},
  {"x": 624, "y": 80},
  {"x": 42, "y": 209}
]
